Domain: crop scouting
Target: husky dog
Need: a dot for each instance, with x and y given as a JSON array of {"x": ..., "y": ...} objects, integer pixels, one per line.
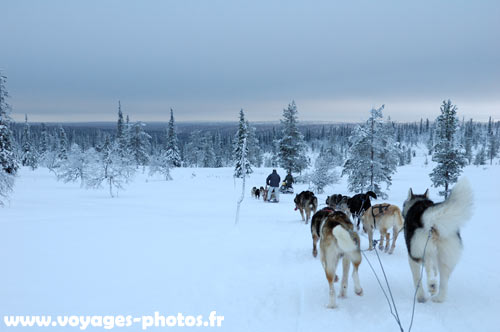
[
  {"x": 336, "y": 201},
  {"x": 436, "y": 225},
  {"x": 306, "y": 201},
  {"x": 257, "y": 193},
  {"x": 358, "y": 204},
  {"x": 254, "y": 191},
  {"x": 316, "y": 222},
  {"x": 264, "y": 192},
  {"x": 383, "y": 216},
  {"x": 338, "y": 239},
  {"x": 332, "y": 200}
]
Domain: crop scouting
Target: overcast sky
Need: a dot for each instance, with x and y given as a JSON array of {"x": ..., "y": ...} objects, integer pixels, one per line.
[{"x": 73, "y": 60}]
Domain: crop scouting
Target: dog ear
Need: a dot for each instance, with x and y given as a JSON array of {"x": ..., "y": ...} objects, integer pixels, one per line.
[
  {"x": 426, "y": 194},
  {"x": 410, "y": 193}
]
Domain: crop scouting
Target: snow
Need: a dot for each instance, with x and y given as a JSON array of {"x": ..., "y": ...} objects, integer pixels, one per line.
[{"x": 172, "y": 246}]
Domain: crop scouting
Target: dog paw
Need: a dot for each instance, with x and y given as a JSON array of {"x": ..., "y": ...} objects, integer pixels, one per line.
[
  {"x": 438, "y": 299},
  {"x": 315, "y": 253},
  {"x": 359, "y": 291},
  {"x": 342, "y": 294},
  {"x": 336, "y": 278},
  {"x": 331, "y": 306},
  {"x": 421, "y": 299}
]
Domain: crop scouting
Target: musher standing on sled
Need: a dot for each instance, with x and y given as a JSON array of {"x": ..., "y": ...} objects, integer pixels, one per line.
[{"x": 273, "y": 181}]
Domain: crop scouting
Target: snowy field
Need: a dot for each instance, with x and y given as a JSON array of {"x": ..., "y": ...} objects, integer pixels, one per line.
[{"x": 173, "y": 247}]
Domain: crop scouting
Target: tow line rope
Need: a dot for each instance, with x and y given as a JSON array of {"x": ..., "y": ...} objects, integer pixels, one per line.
[{"x": 391, "y": 302}]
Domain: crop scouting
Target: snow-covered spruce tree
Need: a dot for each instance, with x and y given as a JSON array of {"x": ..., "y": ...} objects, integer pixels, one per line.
[
  {"x": 323, "y": 175},
  {"x": 447, "y": 152},
  {"x": 121, "y": 131},
  {"x": 468, "y": 135},
  {"x": 241, "y": 149},
  {"x": 28, "y": 151},
  {"x": 430, "y": 142},
  {"x": 62, "y": 146},
  {"x": 292, "y": 148},
  {"x": 372, "y": 157},
  {"x": 254, "y": 152},
  {"x": 243, "y": 163},
  {"x": 8, "y": 162},
  {"x": 172, "y": 151},
  {"x": 480, "y": 158},
  {"x": 219, "y": 150},
  {"x": 331, "y": 154},
  {"x": 43, "y": 144},
  {"x": 492, "y": 143},
  {"x": 208, "y": 151},
  {"x": 193, "y": 152},
  {"x": 110, "y": 168},
  {"x": 139, "y": 144}
]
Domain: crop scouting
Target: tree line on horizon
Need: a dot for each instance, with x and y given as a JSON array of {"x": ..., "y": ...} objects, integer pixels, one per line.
[{"x": 368, "y": 153}]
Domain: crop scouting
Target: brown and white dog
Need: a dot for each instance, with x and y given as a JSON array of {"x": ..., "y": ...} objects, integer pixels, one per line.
[
  {"x": 264, "y": 192},
  {"x": 338, "y": 240},
  {"x": 306, "y": 201},
  {"x": 316, "y": 222},
  {"x": 384, "y": 217}
]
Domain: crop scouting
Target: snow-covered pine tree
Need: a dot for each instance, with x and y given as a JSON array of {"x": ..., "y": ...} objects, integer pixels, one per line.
[
  {"x": 121, "y": 138},
  {"x": 254, "y": 151},
  {"x": 292, "y": 148},
  {"x": 139, "y": 145},
  {"x": 44, "y": 142},
  {"x": 430, "y": 141},
  {"x": 372, "y": 157},
  {"x": 241, "y": 148},
  {"x": 193, "y": 152},
  {"x": 172, "y": 151},
  {"x": 447, "y": 152},
  {"x": 62, "y": 146},
  {"x": 468, "y": 134},
  {"x": 243, "y": 171},
  {"x": 208, "y": 151},
  {"x": 28, "y": 151},
  {"x": 323, "y": 175},
  {"x": 8, "y": 162},
  {"x": 219, "y": 150},
  {"x": 492, "y": 142},
  {"x": 480, "y": 158}
]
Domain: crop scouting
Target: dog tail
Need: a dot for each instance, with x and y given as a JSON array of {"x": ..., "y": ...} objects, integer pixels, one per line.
[
  {"x": 453, "y": 213},
  {"x": 344, "y": 239},
  {"x": 371, "y": 193}
]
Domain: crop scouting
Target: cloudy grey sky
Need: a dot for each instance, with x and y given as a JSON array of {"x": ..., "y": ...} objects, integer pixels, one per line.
[{"x": 73, "y": 60}]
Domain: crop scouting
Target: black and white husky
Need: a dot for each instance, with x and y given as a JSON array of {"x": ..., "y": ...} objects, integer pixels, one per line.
[{"x": 438, "y": 226}]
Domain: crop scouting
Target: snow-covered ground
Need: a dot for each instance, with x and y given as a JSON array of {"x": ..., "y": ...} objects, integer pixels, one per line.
[{"x": 173, "y": 247}]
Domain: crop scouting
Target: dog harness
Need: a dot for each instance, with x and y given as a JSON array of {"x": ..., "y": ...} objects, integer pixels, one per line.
[{"x": 381, "y": 208}]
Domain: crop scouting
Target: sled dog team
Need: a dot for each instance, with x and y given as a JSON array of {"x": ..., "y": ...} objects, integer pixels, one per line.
[{"x": 431, "y": 232}]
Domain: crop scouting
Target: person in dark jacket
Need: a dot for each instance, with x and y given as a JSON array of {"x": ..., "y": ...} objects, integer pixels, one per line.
[
  {"x": 288, "y": 180},
  {"x": 273, "y": 181}
]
